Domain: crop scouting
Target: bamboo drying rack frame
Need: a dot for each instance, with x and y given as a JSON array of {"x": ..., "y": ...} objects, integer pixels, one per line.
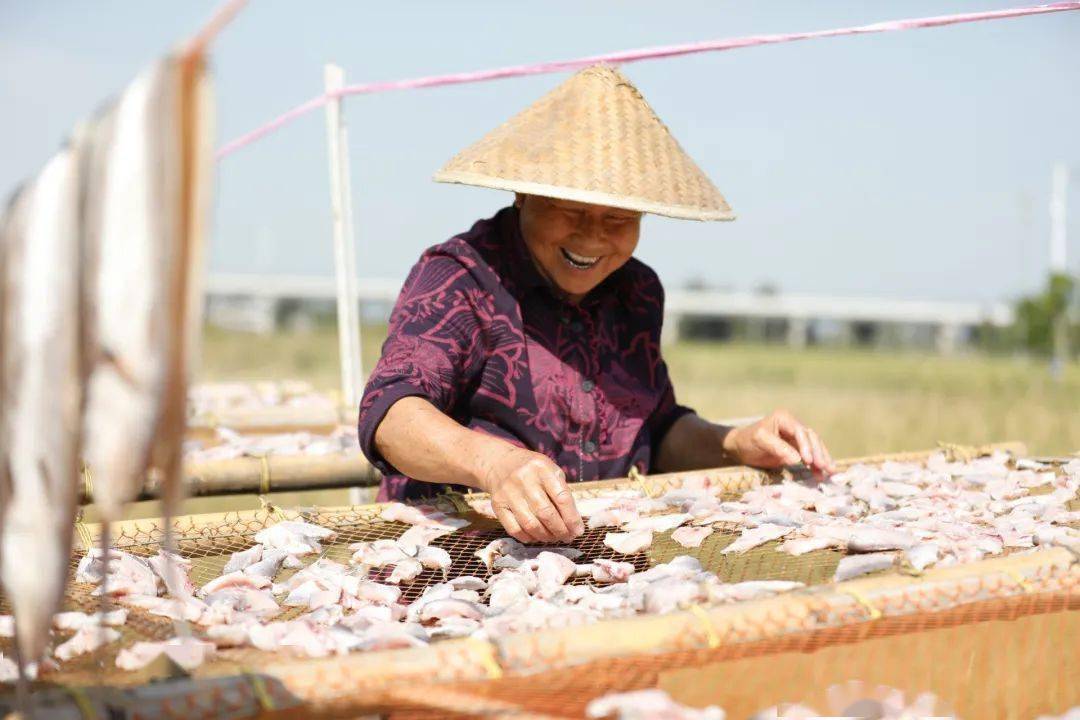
[{"x": 1044, "y": 581}]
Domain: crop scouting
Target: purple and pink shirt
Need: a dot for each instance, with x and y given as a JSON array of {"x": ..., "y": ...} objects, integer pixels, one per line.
[{"x": 478, "y": 332}]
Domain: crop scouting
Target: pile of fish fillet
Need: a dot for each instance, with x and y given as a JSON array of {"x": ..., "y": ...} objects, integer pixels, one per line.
[
  {"x": 879, "y": 516},
  {"x": 852, "y": 699},
  {"x": 207, "y": 400},
  {"x": 229, "y": 444}
]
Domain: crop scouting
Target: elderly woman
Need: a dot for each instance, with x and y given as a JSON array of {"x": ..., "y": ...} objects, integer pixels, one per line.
[{"x": 524, "y": 354}]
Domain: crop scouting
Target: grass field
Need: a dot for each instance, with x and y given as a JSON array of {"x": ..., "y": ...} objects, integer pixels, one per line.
[{"x": 861, "y": 402}]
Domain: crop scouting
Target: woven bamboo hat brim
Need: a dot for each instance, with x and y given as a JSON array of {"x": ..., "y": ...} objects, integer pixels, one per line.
[{"x": 596, "y": 140}]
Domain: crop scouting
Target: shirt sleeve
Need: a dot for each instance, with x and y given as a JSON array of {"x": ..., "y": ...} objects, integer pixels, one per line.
[
  {"x": 666, "y": 412},
  {"x": 434, "y": 347}
]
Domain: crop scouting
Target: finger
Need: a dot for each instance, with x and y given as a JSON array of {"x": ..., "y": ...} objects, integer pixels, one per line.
[
  {"x": 793, "y": 430},
  {"x": 820, "y": 462},
  {"x": 825, "y": 454},
  {"x": 560, "y": 494},
  {"x": 781, "y": 452},
  {"x": 510, "y": 524},
  {"x": 547, "y": 513},
  {"x": 528, "y": 520}
]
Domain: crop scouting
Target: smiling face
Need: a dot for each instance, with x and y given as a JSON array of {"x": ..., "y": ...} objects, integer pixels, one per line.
[{"x": 576, "y": 246}]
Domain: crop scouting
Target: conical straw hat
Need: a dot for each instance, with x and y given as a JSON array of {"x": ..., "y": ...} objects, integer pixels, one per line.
[{"x": 593, "y": 139}]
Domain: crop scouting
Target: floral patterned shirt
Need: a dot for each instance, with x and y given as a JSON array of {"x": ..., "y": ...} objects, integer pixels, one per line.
[{"x": 478, "y": 332}]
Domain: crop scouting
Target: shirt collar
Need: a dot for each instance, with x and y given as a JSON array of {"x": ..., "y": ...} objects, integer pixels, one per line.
[{"x": 524, "y": 274}]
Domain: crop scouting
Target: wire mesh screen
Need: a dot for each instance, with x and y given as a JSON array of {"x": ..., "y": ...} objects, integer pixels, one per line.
[{"x": 614, "y": 654}]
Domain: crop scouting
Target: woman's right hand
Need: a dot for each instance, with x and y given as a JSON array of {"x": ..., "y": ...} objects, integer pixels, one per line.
[{"x": 531, "y": 499}]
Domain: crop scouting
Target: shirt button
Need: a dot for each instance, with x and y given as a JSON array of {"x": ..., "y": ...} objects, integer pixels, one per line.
[
  {"x": 576, "y": 326},
  {"x": 589, "y": 447},
  {"x": 588, "y": 385}
]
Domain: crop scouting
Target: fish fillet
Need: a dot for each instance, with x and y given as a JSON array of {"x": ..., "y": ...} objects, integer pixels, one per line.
[
  {"x": 753, "y": 537},
  {"x": 853, "y": 566},
  {"x": 611, "y": 571},
  {"x": 43, "y": 382},
  {"x": 691, "y": 536},
  {"x": 628, "y": 543},
  {"x": 657, "y": 523},
  {"x": 86, "y": 639},
  {"x": 187, "y": 652},
  {"x": 133, "y": 253},
  {"x": 244, "y": 558}
]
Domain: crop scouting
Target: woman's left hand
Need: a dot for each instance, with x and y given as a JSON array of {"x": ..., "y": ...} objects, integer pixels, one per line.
[{"x": 776, "y": 440}]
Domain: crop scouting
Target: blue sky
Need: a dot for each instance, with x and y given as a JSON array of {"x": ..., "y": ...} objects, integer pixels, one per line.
[{"x": 911, "y": 164}]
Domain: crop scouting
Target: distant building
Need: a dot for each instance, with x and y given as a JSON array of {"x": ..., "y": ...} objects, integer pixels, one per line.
[{"x": 265, "y": 304}]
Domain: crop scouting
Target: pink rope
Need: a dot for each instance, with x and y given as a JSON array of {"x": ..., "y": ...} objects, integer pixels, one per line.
[{"x": 629, "y": 56}]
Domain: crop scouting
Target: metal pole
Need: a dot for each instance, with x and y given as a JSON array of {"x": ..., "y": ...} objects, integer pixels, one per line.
[
  {"x": 1058, "y": 195},
  {"x": 344, "y": 250},
  {"x": 1059, "y": 265}
]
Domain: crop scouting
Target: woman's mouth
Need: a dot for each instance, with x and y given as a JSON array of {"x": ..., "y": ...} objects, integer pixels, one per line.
[{"x": 578, "y": 262}]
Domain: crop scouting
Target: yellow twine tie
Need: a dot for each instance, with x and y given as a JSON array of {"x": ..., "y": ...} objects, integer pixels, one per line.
[
  {"x": 82, "y": 702},
  {"x": 711, "y": 636},
  {"x": 258, "y": 689},
  {"x": 461, "y": 506},
  {"x": 264, "y": 481},
  {"x": 865, "y": 602},
  {"x": 83, "y": 532},
  {"x": 88, "y": 482},
  {"x": 488, "y": 657},
  {"x": 270, "y": 508},
  {"x": 1019, "y": 579},
  {"x": 635, "y": 476}
]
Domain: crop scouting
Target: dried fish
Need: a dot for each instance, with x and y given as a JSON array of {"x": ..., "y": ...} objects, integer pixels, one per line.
[
  {"x": 802, "y": 545},
  {"x": 670, "y": 594},
  {"x": 76, "y": 620},
  {"x": 294, "y": 537},
  {"x": 242, "y": 559},
  {"x": 648, "y": 705},
  {"x": 869, "y": 539},
  {"x": 496, "y": 549},
  {"x": 922, "y": 555},
  {"x": 753, "y": 537},
  {"x": 234, "y": 580},
  {"x": 657, "y": 523},
  {"x": 187, "y": 652},
  {"x": 691, "y": 536},
  {"x": 270, "y": 563},
  {"x": 421, "y": 515},
  {"x": 628, "y": 543},
  {"x": 611, "y": 571},
  {"x": 86, "y": 639},
  {"x": 855, "y": 565},
  {"x": 43, "y": 382},
  {"x": 434, "y": 558},
  {"x": 439, "y": 610},
  {"x": 405, "y": 571},
  {"x": 552, "y": 570},
  {"x": 750, "y": 590},
  {"x": 612, "y": 517}
]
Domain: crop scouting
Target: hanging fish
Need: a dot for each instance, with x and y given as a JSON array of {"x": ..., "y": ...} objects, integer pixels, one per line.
[
  {"x": 144, "y": 209},
  {"x": 41, "y": 377}
]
